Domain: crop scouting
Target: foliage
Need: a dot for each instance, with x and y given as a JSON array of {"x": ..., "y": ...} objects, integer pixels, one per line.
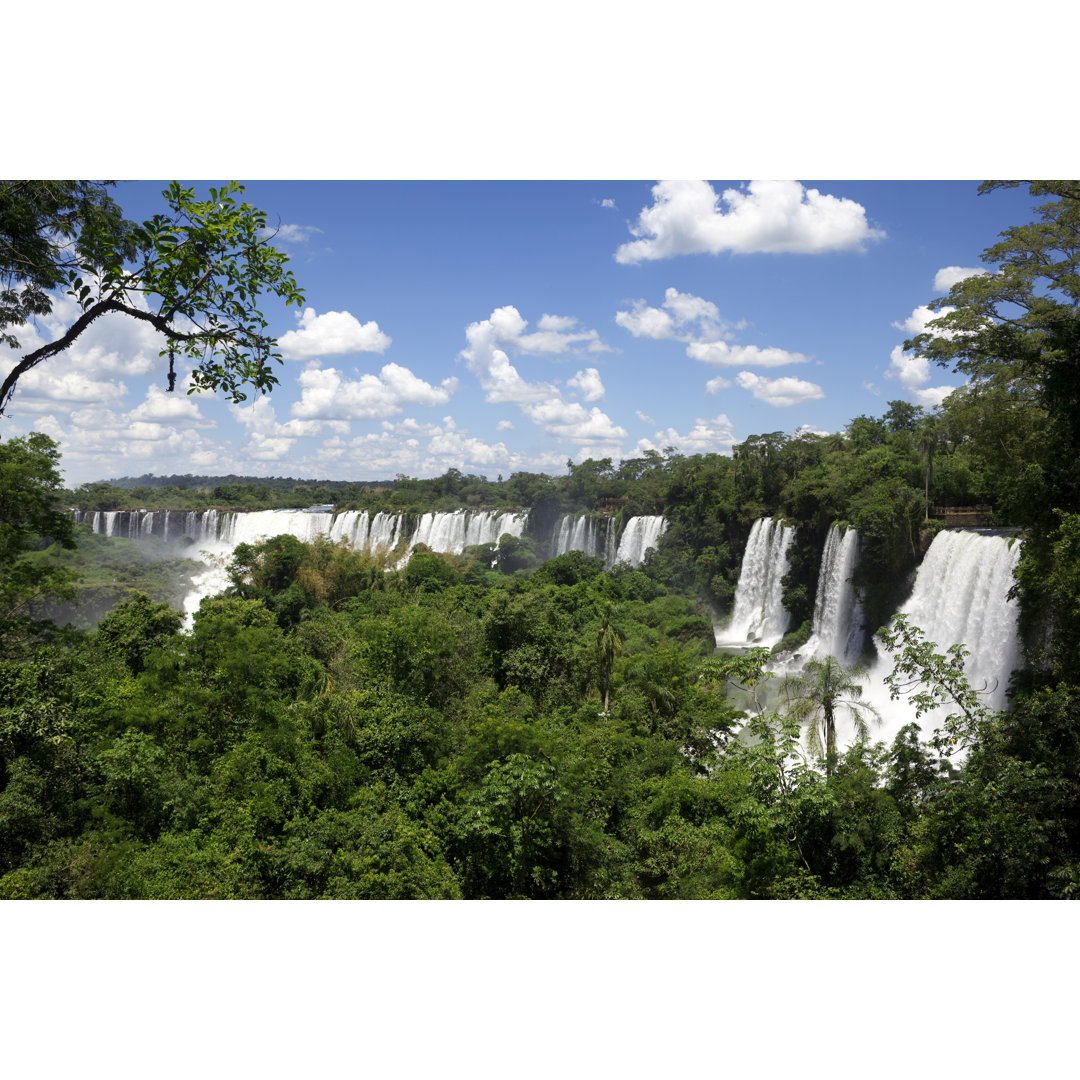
[
  {"x": 195, "y": 274},
  {"x": 496, "y": 725},
  {"x": 818, "y": 693},
  {"x": 29, "y": 517}
]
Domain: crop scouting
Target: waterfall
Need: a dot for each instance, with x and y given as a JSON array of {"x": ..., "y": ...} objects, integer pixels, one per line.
[
  {"x": 640, "y": 535},
  {"x": 960, "y": 597},
  {"x": 214, "y": 536},
  {"x": 838, "y": 618},
  {"x": 574, "y": 534},
  {"x": 610, "y": 547},
  {"x": 759, "y": 616}
]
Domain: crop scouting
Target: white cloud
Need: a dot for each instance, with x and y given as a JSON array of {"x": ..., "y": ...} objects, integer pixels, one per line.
[
  {"x": 948, "y": 276},
  {"x": 912, "y": 372},
  {"x": 541, "y": 402},
  {"x": 269, "y": 447},
  {"x": 334, "y": 333},
  {"x": 714, "y": 436},
  {"x": 160, "y": 404},
  {"x": 504, "y": 330},
  {"x": 780, "y": 392},
  {"x": 643, "y": 418},
  {"x": 505, "y": 425},
  {"x": 426, "y": 449},
  {"x": 674, "y": 319},
  {"x": 714, "y": 386},
  {"x": 810, "y": 429},
  {"x": 696, "y": 321},
  {"x": 328, "y": 395},
  {"x": 645, "y": 321},
  {"x": 558, "y": 323},
  {"x": 776, "y": 216},
  {"x": 919, "y": 320},
  {"x": 608, "y": 204},
  {"x": 56, "y": 386},
  {"x": 291, "y": 234},
  {"x": 720, "y": 354},
  {"x": 570, "y": 420},
  {"x": 588, "y": 384}
]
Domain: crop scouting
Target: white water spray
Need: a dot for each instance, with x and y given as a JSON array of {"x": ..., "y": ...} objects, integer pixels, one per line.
[{"x": 759, "y": 617}]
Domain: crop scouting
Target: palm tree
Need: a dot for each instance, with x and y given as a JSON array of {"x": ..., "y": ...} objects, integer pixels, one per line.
[
  {"x": 820, "y": 690},
  {"x": 608, "y": 649}
]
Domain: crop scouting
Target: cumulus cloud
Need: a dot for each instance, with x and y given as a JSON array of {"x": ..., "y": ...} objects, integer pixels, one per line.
[
  {"x": 697, "y": 322},
  {"x": 334, "y": 333},
  {"x": 779, "y": 392},
  {"x": 911, "y": 370},
  {"x": 714, "y": 436},
  {"x": 159, "y": 404},
  {"x": 643, "y": 418},
  {"x": 428, "y": 449},
  {"x": 570, "y": 420},
  {"x": 92, "y": 368},
  {"x": 721, "y": 354},
  {"x": 327, "y": 395},
  {"x": 505, "y": 425},
  {"x": 542, "y": 402},
  {"x": 919, "y": 320},
  {"x": 948, "y": 276},
  {"x": 714, "y": 386},
  {"x": 588, "y": 384},
  {"x": 774, "y": 216},
  {"x": 56, "y": 387},
  {"x": 681, "y": 316}
]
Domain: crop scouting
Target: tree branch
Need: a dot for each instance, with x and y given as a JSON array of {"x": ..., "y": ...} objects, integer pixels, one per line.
[{"x": 103, "y": 307}]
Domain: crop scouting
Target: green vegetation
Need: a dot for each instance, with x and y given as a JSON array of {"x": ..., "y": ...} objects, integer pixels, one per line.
[
  {"x": 200, "y": 269},
  {"x": 505, "y": 724}
]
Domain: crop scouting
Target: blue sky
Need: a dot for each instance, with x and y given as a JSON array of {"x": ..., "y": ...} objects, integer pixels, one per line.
[{"x": 499, "y": 326}]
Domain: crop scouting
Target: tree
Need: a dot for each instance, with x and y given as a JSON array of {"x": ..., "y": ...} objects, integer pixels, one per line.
[
  {"x": 1018, "y": 324},
  {"x": 194, "y": 274},
  {"x": 821, "y": 690},
  {"x": 934, "y": 680},
  {"x": 48, "y": 228},
  {"x": 608, "y": 647},
  {"x": 29, "y": 517}
]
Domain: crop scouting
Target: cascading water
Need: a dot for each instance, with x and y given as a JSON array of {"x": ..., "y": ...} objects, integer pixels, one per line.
[
  {"x": 575, "y": 534},
  {"x": 960, "y": 597},
  {"x": 640, "y": 534},
  {"x": 759, "y": 617},
  {"x": 838, "y": 618},
  {"x": 214, "y": 536}
]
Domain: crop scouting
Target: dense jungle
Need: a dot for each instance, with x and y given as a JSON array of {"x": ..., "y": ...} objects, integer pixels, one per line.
[{"x": 509, "y": 722}]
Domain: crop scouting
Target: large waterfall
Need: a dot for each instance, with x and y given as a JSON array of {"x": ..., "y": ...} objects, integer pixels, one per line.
[
  {"x": 575, "y": 533},
  {"x": 838, "y": 620},
  {"x": 578, "y": 532},
  {"x": 640, "y": 534},
  {"x": 213, "y": 535},
  {"x": 960, "y": 597},
  {"x": 759, "y": 616}
]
